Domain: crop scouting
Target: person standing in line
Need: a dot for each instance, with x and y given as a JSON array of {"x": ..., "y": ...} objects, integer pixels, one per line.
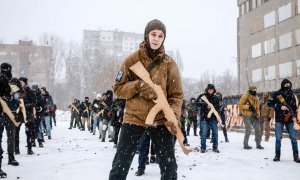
[
  {"x": 266, "y": 114},
  {"x": 249, "y": 107},
  {"x": 139, "y": 101},
  {"x": 284, "y": 103},
  {"x": 208, "y": 123}
]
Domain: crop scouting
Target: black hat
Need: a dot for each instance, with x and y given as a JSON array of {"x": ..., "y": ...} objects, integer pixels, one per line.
[
  {"x": 6, "y": 70},
  {"x": 210, "y": 86},
  {"x": 24, "y": 79},
  {"x": 152, "y": 25}
]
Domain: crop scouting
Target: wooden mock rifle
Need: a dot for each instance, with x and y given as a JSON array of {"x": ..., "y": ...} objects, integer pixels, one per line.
[
  {"x": 288, "y": 114},
  {"x": 212, "y": 110},
  {"x": 74, "y": 107},
  {"x": 161, "y": 103},
  {"x": 7, "y": 111},
  {"x": 22, "y": 106}
]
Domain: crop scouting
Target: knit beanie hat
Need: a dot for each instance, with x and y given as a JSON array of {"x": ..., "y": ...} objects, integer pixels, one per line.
[
  {"x": 24, "y": 79},
  {"x": 252, "y": 88},
  {"x": 153, "y": 25}
]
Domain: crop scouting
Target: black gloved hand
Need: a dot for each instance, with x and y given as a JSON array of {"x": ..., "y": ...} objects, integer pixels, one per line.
[{"x": 252, "y": 109}]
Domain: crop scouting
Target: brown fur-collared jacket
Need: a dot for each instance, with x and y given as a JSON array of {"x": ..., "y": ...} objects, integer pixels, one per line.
[{"x": 166, "y": 74}]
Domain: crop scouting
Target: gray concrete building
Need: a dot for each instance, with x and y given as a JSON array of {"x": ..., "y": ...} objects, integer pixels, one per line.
[
  {"x": 268, "y": 43},
  {"x": 29, "y": 60}
]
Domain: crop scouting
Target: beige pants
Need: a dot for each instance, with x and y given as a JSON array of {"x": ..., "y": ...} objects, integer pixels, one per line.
[
  {"x": 265, "y": 125},
  {"x": 84, "y": 120}
]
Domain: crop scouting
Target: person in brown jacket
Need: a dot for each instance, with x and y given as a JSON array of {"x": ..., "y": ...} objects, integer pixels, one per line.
[
  {"x": 249, "y": 107},
  {"x": 266, "y": 114},
  {"x": 139, "y": 101}
]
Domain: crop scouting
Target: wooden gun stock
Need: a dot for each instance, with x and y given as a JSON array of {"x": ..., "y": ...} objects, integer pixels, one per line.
[
  {"x": 161, "y": 103},
  {"x": 22, "y": 106},
  {"x": 212, "y": 110},
  {"x": 7, "y": 111},
  {"x": 298, "y": 116},
  {"x": 288, "y": 114}
]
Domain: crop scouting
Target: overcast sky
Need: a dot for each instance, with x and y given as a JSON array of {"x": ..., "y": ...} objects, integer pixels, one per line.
[{"x": 204, "y": 31}]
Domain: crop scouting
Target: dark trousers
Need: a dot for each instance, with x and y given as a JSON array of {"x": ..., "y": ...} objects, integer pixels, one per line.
[
  {"x": 224, "y": 128},
  {"x": 117, "y": 130},
  {"x": 183, "y": 130},
  {"x": 30, "y": 131},
  {"x": 144, "y": 150},
  {"x": 17, "y": 138},
  {"x": 188, "y": 126},
  {"x": 10, "y": 132},
  {"x": 53, "y": 118},
  {"x": 129, "y": 139}
]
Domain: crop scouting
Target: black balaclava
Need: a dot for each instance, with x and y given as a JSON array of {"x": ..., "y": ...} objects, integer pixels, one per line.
[
  {"x": 153, "y": 25},
  {"x": 252, "y": 90},
  {"x": 286, "y": 88},
  {"x": 6, "y": 70}
]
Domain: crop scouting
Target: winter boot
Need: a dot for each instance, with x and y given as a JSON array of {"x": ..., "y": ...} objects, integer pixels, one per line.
[
  {"x": 30, "y": 152},
  {"x": 216, "y": 150},
  {"x": 140, "y": 172},
  {"x": 2, "y": 173},
  {"x": 40, "y": 144},
  {"x": 17, "y": 151},
  {"x": 226, "y": 139},
  {"x": 259, "y": 147},
  {"x": 152, "y": 159},
  {"x": 247, "y": 147},
  {"x": 12, "y": 161},
  {"x": 277, "y": 156},
  {"x": 296, "y": 157}
]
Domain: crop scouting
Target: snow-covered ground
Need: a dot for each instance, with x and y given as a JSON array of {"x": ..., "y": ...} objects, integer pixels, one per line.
[{"x": 73, "y": 154}]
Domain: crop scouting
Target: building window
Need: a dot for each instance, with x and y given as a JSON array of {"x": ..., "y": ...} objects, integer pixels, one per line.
[
  {"x": 253, "y": 2},
  {"x": 285, "y": 41},
  {"x": 270, "y": 73},
  {"x": 256, "y": 50},
  {"x": 298, "y": 67},
  {"x": 256, "y": 75},
  {"x": 285, "y": 12},
  {"x": 297, "y": 36},
  {"x": 285, "y": 70},
  {"x": 242, "y": 9},
  {"x": 298, "y": 6},
  {"x": 258, "y": 3},
  {"x": 269, "y": 46},
  {"x": 247, "y": 7},
  {"x": 2, "y": 53},
  {"x": 269, "y": 19}
]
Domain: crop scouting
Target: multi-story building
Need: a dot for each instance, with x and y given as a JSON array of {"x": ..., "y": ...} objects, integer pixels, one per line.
[
  {"x": 115, "y": 43},
  {"x": 29, "y": 60},
  {"x": 268, "y": 43}
]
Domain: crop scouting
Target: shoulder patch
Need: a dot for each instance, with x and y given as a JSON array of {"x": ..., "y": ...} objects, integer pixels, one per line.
[{"x": 119, "y": 76}]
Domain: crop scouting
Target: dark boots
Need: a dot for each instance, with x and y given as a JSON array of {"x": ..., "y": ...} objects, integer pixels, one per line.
[
  {"x": 40, "y": 143},
  {"x": 140, "y": 172},
  {"x": 12, "y": 160},
  {"x": 29, "y": 151},
  {"x": 2, "y": 173},
  {"x": 277, "y": 156},
  {"x": 153, "y": 159},
  {"x": 296, "y": 157}
]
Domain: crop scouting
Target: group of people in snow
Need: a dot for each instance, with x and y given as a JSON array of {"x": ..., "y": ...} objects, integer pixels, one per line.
[{"x": 22, "y": 104}]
